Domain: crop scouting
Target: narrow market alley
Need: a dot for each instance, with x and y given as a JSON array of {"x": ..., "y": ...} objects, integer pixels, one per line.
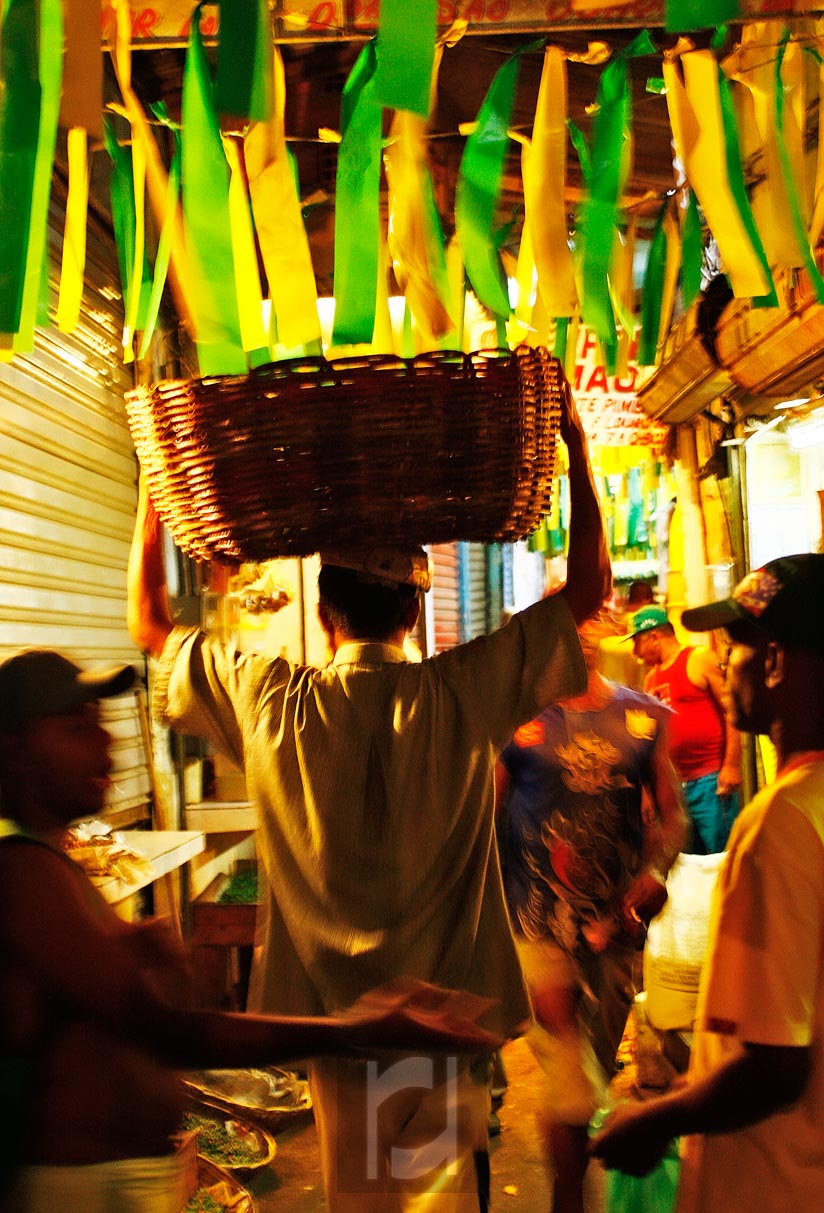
[{"x": 292, "y": 1183}]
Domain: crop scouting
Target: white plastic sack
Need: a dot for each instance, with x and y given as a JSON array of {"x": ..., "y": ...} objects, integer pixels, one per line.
[{"x": 677, "y": 942}]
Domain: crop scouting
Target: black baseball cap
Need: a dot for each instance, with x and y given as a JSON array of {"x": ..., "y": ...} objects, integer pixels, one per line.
[
  {"x": 784, "y": 597},
  {"x": 40, "y": 682}
]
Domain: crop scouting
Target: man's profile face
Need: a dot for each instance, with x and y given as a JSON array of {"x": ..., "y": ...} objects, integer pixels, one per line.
[
  {"x": 744, "y": 701},
  {"x": 646, "y": 647}
]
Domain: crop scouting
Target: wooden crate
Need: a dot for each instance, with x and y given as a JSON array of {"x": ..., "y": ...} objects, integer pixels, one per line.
[{"x": 222, "y": 924}]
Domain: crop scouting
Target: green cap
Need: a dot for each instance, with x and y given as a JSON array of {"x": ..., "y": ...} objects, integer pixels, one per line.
[{"x": 648, "y": 618}]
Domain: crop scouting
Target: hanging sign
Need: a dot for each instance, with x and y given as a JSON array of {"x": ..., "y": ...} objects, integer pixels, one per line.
[{"x": 608, "y": 404}]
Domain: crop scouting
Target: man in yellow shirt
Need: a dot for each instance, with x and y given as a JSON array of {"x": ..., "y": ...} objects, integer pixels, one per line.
[{"x": 752, "y": 1110}]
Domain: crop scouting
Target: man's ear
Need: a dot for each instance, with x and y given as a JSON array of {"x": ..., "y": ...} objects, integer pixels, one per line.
[{"x": 774, "y": 664}]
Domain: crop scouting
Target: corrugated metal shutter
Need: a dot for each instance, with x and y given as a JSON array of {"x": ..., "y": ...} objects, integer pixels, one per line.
[
  {"x": 67, "y": 502},
  {"x": 494, "y": 586},
  {"x": 445, "y": 595},
  {"x": 473, "y": 590}
]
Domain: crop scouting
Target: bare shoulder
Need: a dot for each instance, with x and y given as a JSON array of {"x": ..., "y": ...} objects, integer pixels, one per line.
[{"x": 702, "y": 664}]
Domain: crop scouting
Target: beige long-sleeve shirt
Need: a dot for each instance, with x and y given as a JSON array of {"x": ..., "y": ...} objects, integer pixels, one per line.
[{"x": 374, "y": 780}]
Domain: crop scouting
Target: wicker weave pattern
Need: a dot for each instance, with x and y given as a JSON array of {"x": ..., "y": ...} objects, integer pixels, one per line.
[{"x": 306, "y": 454}]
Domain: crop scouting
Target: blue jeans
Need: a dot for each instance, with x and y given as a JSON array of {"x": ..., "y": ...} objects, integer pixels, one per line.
[{"x": 711, "y": 815}]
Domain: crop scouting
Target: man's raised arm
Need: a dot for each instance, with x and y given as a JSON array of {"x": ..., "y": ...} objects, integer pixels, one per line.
[
  {"x": 589, "y": 573},
  {"x": 147, "y": 607}
]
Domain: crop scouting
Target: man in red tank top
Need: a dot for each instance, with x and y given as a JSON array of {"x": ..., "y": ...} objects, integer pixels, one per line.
[{"x": 705, "y": 749}]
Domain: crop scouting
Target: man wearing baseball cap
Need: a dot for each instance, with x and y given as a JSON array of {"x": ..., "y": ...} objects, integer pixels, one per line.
[
  {"x": 704, "y": 748},
  {"x": 91, "y": 1032},
  {"x": 752, "y": 1111}
]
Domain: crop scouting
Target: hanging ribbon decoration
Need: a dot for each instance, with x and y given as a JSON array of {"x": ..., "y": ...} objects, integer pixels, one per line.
[
  {"x": 281, "y": 233},
  {"x": 701, "y": 118},
  {"x": 788, "y": 170},
  {"x": 206, "y": 213},
  {"x": 254, "y": 338},
  {"x": 752, "y": 65},
  {"x": 415, "y": 239},
  {"x": 405, "y": 51},
  {"x": 70, "y": 294},
  {"x": 479, "y": 186},
  {"x": 692, "y": 252},
  {"x": 164, "y": 243},
  {"x": 653, "y": 293},
  {"x": 817, "y": 221},
  {"x": 19, "y": 133},
  {"x": 610, "y": 156},
  {"x": 545, "y": 190},
  {"x": 243, "y": 81},
  {"x": 681, "y": 16},
  {"x": 357, "y": 216},
  {"x": 34, "y": 303},
  {"x": 519, "y": 326},
  {"x": 179, "y": 276},
  {"x": 134, "y": 279}
]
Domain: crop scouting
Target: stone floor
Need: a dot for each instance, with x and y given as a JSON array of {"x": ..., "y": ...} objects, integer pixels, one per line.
[{"x": 292, "y": 1183}]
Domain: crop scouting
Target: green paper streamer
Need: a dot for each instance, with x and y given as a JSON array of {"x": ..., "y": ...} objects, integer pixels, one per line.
[
  {"x": 692, "y": 253},
  {"x": 793, "y": 201},
  {"x": 244, "y": 85},
  {"x": 205, "y": 180},
  {"x": 357, "y": 216},
  {"x": 406, "y": 55},
  {"x": 738, "y": 186},
  {"x": 19, "y": 133},
  {"x": 559, "y": 347},
  {"x": 653, "y": 293},
  {"x": 121, "y": 193},
  {"x": 579, "y": 142},
  {"x": 681, "y": 16},
  {"x": 609, "y": 162},
  {"x": 436, "y": 254},
  {"x": 164, "y": 252},
  {"x": 479, "y": 186},
  {"x": 34, "y": 306}
]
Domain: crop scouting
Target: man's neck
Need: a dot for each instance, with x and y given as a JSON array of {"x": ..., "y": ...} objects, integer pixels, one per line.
[
  {"x": 339, "y": 639},
  {"x": 597, "y": 694}
]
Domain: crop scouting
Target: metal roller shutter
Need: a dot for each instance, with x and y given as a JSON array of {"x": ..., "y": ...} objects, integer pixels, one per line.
[
  {"x": 67, "y": 502},
  {"x": 445, "y": 595},
  {"x": 473, "y": 590}
]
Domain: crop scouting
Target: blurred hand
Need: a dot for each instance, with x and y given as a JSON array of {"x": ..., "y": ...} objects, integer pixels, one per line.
[
  {"x": 632, "y": 1141},
  {"x": 409, "y": 1014},
  {"x": 645, "y": 897}
]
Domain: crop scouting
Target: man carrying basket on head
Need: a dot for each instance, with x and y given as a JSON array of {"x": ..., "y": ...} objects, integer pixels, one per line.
[{"x": 374, "y": 780}]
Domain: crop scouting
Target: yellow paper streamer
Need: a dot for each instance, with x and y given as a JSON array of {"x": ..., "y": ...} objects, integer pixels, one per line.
[
  {"x": 139, "y": 174},
  {"x": 253, "y": 335},
  {"x": 405, "y": 161},
  {"x": 409, "y": 234},
  {"x": 752, "y": 64},
  {"x": 672, "y": 268},
  {"x": 279, "y": 224},
  {"x": 456, "y": 275},
  {"x": 70, "y": 294},
  {"x": 156, "y": 175},
  {"x": 519, "y": 325},
  {"x": 545, "y": 190},
  {"x": 695, "y": 117},
  {"x": 817, "y": 222}
]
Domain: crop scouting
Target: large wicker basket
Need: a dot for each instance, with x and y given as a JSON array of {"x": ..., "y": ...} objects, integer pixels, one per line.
[{"x": 306, "y": 454}]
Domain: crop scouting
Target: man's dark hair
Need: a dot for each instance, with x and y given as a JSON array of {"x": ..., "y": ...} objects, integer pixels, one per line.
[{"x": 359, "y": 608}]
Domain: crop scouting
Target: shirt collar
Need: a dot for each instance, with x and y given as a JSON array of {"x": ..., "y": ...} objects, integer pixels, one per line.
[{"x": 368, "y": 652}]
